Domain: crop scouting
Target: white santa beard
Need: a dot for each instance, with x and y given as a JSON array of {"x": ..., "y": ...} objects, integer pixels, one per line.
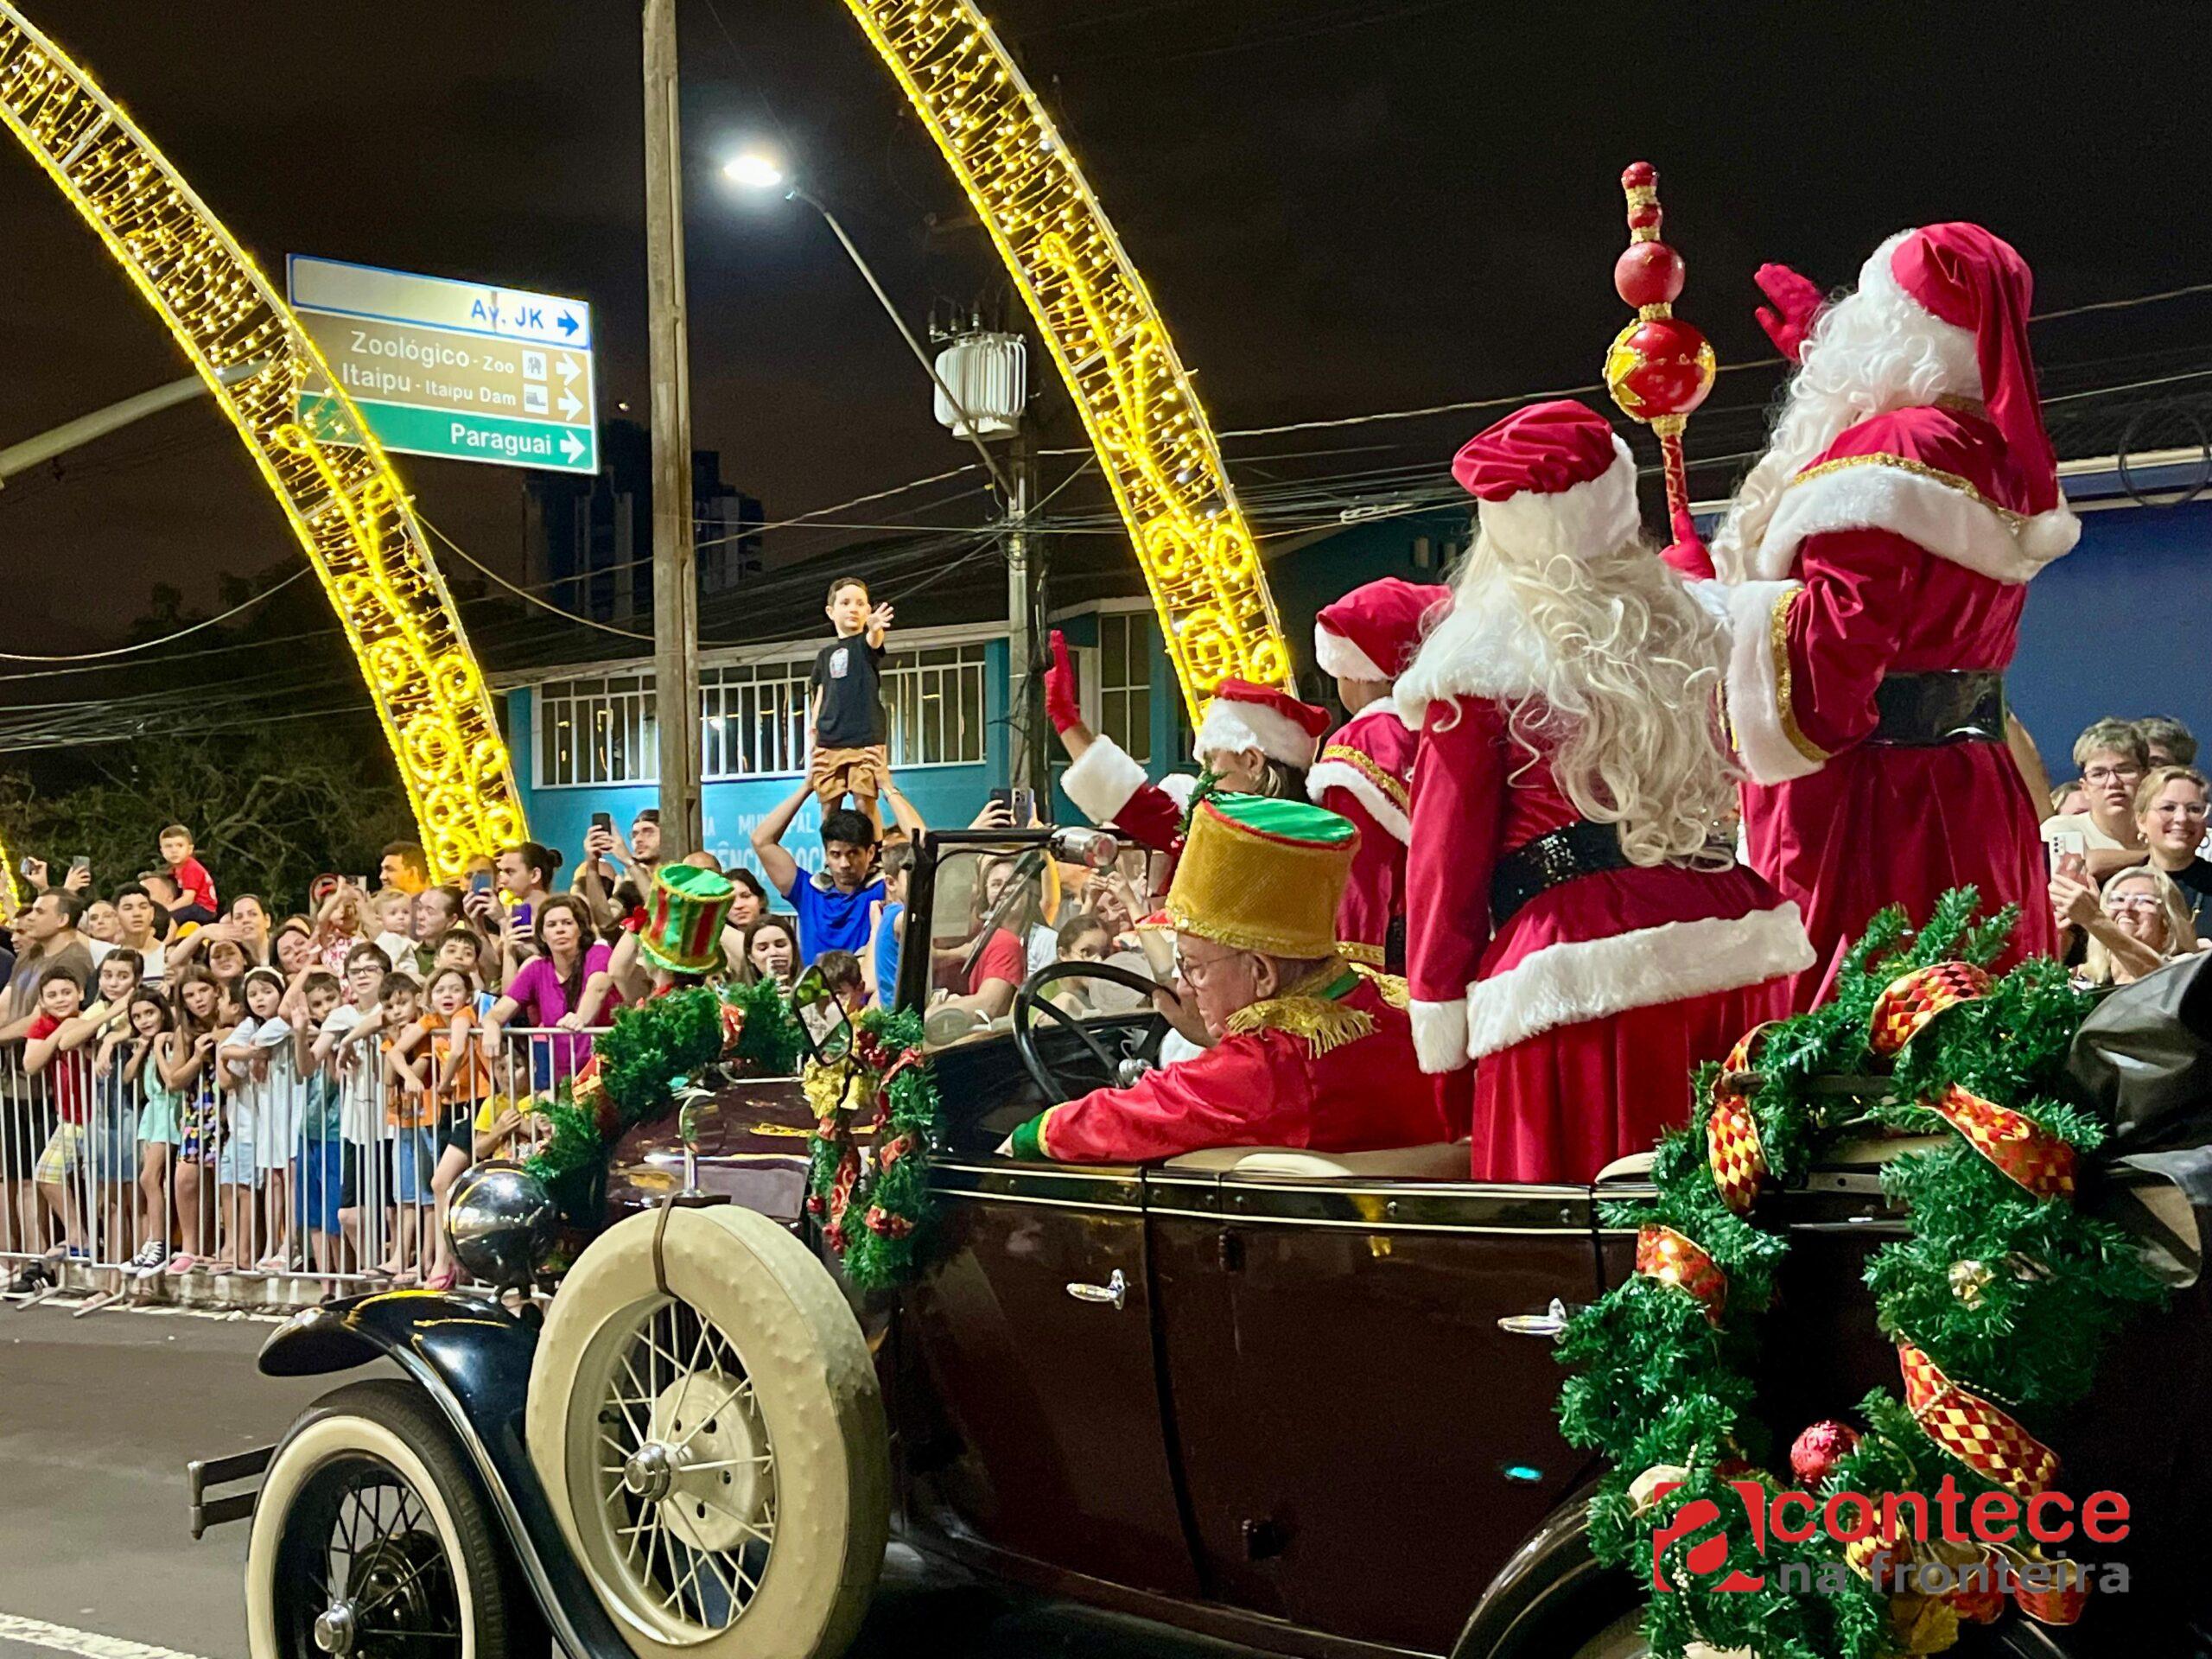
[{"x": 1871, "y": 353}]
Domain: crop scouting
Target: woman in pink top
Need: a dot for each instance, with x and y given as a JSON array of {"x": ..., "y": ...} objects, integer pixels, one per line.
[{"x": 547, "y": 986}]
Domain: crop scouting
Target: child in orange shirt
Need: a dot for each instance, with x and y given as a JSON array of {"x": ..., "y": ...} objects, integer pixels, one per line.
[{"x": 462, "y": 1079}]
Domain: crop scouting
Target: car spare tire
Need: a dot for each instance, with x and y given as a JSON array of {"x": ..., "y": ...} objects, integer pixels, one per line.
[{"x": 704, "y": 1412}]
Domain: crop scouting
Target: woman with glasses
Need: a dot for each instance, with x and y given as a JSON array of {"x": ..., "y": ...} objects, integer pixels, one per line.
[{"x": 2140, "y": 923}]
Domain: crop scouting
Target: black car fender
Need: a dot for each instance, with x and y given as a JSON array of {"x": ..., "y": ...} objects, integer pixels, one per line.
[
  {"x": 1550, "y": 1595},
  {"x": 472, "y": 1358}
]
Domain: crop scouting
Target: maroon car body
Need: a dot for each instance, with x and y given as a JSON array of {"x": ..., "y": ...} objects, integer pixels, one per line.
[{"x": 1311, "y": 1410}]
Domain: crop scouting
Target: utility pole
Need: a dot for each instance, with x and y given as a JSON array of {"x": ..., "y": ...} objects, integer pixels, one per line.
[
  {"x": 1025, "y": 573},
  {"x": 675, "y": 588}
]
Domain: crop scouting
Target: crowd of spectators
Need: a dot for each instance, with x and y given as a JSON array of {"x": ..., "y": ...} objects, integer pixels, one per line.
[
  {"x": 2130, "y": 883},
  {"x": 248, "y": 1087}
]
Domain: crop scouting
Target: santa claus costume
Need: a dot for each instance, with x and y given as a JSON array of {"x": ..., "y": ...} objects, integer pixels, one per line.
[
  {"x": 1365, "y": 640},
  {"x": 1878, "y": 558},
  {"x": 1578, "y": 928},
  {"x": 1251, "y": 739}
]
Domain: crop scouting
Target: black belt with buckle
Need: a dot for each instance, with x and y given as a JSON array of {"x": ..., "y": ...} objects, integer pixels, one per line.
[
  {"x": 1579, "y": 848},
  {"x": 1927, "y": 711}
]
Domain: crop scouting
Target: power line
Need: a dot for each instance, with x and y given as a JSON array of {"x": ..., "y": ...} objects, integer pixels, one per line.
[{"x": 149, "y": 645}]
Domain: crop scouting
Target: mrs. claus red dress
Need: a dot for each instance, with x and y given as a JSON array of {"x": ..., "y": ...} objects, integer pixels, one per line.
[{"x": 1587, "y": 1012}]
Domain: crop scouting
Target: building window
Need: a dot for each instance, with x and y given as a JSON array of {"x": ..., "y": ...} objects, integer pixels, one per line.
[
  {"x": 935, "y": 702},
  {"x": 600, "y": 731},
  {"x": 1125, "y": 682},
  {"x": 755, "y": 719},
  {"x": 752, "y": 720}
]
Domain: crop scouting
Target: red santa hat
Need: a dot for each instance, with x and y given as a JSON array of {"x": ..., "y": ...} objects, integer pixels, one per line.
[
  {"x": 1553, "y": 478},
  {"x": 1964, "y": 276},
  {"x": 1372, "y": 633},
  {"x": 1242, "y": 715}
]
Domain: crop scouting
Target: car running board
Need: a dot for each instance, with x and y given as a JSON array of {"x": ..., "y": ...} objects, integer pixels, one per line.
[{"x": 202, "y": 1472}]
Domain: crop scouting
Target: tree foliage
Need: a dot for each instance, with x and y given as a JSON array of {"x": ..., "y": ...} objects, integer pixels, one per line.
[{"x": 270, "y": 809}]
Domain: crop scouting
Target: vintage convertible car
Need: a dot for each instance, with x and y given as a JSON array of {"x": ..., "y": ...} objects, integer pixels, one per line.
[{"x": 1299, "y": 1402}]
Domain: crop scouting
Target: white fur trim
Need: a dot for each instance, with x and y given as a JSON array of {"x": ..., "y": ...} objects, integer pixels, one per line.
[
  {"x": 1754, "y": 689},
  {"x": 1342, "y": 775},
  {"x": 1564, "y": 984},
  {"x": 1945, "y": 521},
  {"x": 1440, "y": 1035},
  {"x": 1227, "y": 726},
  {"x": 1177, "y": 787},
  {"x": 1335, "y": 654},
  {"x": 1474, "y": 651},
  {"x": 1598, "y": 512},
  {"x": 1100, "y": 780}
]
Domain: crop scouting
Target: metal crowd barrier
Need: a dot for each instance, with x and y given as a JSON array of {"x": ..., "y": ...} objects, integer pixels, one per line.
[{"x": 266, "y": 1191}]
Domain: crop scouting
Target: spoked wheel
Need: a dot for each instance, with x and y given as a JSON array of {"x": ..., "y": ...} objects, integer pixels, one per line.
[
  {"x": 683, "y": 1474},
  {"x": 711, "y": 1439},
  {"x": 370, "y": 1542}
]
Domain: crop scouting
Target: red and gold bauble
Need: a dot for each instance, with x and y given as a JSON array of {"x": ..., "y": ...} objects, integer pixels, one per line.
[{"x": 1659, "y": 368}]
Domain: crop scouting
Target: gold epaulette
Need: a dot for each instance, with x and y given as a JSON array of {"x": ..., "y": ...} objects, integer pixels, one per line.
[
  {"x": 1392, "y": 987},
  {"x": 1324, "y": 1022}
]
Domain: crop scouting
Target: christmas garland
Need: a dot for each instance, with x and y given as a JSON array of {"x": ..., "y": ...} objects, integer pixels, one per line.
[
  {"x": 881, "y": 1072},
  {"x": 652, "y": 1051},
  {"x": 2000, "y": 1299}
]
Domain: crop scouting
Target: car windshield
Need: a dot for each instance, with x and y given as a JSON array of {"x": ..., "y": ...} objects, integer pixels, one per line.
[{"x": 998, "y": 915}]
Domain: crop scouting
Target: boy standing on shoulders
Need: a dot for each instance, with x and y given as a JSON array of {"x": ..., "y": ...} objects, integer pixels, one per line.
[
  {"x": 844, "y": 718},
  {"x": 195, "y": 900}
]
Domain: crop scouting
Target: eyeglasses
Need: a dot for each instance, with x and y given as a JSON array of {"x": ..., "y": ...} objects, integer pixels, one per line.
[
  {"x": 2112, "y": 774},
  {"x": 1198, "y": 969},
  {"x": 2117, "y": 901},
  {"x": 2184, "y": 809}
]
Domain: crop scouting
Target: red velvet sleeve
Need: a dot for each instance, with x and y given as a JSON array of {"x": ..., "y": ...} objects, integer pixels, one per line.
[
  {"x": 1371, "y": 893},
  {"x": 1244, "y": 1091},
  {"x": 1844, "y": 628},
  {"x": 1458, "y": 800}
]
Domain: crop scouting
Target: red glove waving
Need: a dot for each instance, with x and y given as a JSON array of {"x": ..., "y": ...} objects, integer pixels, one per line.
[
  {"x": 1798, "y": 306},
  {"x": 1687, "y": 554},
  {"x": 1061, "y": 707}
]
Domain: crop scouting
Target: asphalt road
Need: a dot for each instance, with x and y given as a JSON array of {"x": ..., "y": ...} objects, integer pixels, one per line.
[{"x": 98, "y": 1416}]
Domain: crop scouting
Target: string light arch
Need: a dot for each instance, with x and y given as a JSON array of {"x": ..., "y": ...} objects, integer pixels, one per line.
[
  {"x": 1155, "y": 443},
  {"x": 338, "y": 491}
]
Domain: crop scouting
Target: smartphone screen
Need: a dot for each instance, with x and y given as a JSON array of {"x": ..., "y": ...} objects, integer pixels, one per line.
[{"x": 481, "y": 882}]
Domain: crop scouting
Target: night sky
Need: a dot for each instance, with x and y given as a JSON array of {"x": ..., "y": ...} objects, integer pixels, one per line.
[{"x": 1341, "y": 208}]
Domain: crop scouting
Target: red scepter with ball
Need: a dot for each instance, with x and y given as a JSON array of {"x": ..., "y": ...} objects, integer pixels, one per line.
[{"x": 1658, "y": 368}]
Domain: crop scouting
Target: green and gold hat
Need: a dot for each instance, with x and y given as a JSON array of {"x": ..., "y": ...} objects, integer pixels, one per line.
[
  {"x": 683, "y": 920},
  {"x": 1259, "y": 873}
]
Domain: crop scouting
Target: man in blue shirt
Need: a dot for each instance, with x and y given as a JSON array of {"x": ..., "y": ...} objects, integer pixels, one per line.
[{"x": 832, "y": 906}]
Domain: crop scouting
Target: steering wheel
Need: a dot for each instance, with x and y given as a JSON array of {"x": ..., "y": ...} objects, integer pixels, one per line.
[{"x": 1029, "y": 1002}]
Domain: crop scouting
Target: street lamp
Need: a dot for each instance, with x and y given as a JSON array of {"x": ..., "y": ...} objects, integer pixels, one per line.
[{"x": 754, "y": 169}]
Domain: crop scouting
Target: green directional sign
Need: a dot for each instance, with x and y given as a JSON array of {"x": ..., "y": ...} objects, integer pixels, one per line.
[{"x": 461, "y": 371}]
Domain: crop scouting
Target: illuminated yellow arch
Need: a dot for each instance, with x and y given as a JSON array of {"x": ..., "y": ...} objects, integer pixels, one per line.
[
  {"x": 1152, "y": 439},
  {"x": 344, "y": 502}
]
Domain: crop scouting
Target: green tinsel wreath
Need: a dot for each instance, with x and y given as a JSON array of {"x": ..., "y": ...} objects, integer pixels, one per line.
[
  {"x": 1658, "y": 1384},
  {"x": 650, "y": 1049},
  {"x": 874, "y": 1207}
]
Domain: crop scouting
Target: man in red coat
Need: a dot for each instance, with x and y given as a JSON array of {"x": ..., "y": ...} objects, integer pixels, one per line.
[
  {"x": 1878, "y": 558},
  {"x": 1366, "y": 769},
  {"x": 1309, "y": 1051}
]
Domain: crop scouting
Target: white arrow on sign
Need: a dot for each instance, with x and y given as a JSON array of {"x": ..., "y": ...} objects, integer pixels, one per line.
[
  {"x": 568, "y": 368},
  {"x": 569, "y": 406},
  {"x": 572, "y": 448}
]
